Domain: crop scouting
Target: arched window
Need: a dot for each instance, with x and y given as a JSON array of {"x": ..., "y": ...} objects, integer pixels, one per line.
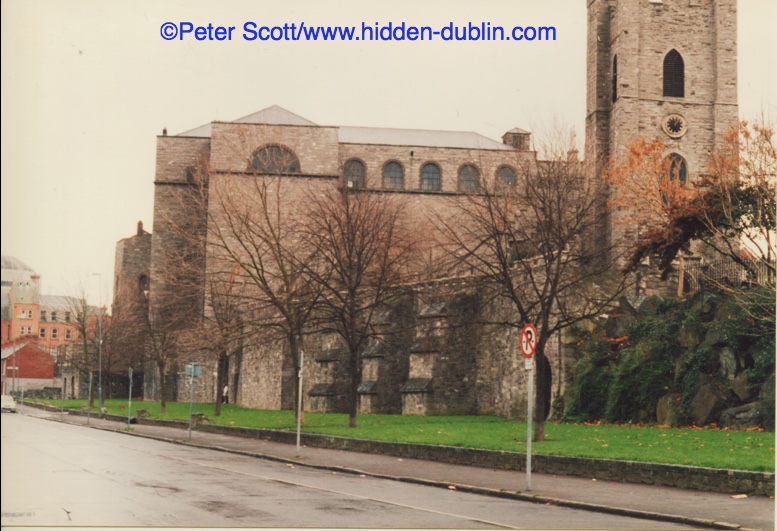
[
  {"x": 678, "y": 168},
  {"x": 614, "y": 77},
  {"x": 354, "y": 174},
  {"x": 674, "y": 75},
  {"x": 505, "y": 178},
  {"x": 275, "y": 159},
  {"x": 430, "y": 177},
  {"x": 468, "y": 178},
  {"x": 393, "y": 176}
]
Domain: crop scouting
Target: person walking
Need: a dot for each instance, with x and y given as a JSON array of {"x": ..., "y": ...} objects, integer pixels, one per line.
[{"x": 225, "y": 395}]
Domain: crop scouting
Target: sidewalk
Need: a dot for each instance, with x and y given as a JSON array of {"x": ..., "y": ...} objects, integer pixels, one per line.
[{"x": 712, "y": 510}]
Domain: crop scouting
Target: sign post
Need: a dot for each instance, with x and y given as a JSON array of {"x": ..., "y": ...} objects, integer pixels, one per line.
[
  {"x": 528, "y": 345},
  {"x": 299, "y": 401},
  {"x": 129, "y": 400}
]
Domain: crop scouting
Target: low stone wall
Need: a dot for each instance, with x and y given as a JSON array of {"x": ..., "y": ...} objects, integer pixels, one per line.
[{"x": 685, "y": 477}]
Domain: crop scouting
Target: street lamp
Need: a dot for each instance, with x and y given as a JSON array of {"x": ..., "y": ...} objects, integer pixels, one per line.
[{"x": 100, "y": 348}]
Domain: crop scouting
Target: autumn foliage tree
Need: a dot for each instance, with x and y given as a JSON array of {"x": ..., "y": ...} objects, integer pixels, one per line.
[{"x": 731, "y": 209}]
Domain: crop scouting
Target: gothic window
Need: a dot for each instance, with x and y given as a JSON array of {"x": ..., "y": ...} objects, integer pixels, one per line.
[
  {"x": 674, "y": 75},
  {"x": 614, "y": 78},
  {"x": 354, "y": 174},
  {"x": 430, "y": 177},
  {"x": 275, "y": 159},
  {"x": 393, "y": 176},
  {"x": 468, "y": 178},
  {"x": 678, "y": 168}
]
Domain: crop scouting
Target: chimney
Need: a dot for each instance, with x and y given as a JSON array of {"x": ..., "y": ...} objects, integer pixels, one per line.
[{"x": 140, "y": 228}]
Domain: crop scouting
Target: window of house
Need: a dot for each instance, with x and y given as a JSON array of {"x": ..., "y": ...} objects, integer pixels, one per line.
[
  {"x": 21, "y": 330},
  {"x": 678, "y": 168},
  {"x": 29, "y": 314},
  {"x": 53, "y": 316},
  {"x": 430, "y": 177},
  {"x": 275, "y": 159},
  {"x": 43, "y": 315},
  {"x": 42, "y": 333},
  {"x": 67, "y": 317},
  {"x": 354, "y": 174},
  {"x": 468, "y": 178},
  {"x": 54, "y": 333},
  {"x": 674, "y": 75},
  {"x": 393, "y": 176},
  {"x": 29, "y": 330},
  {"x": 68, "y": 334}
]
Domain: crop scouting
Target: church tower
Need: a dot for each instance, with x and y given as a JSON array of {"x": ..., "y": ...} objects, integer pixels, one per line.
[{"x": 663, "y": 69}]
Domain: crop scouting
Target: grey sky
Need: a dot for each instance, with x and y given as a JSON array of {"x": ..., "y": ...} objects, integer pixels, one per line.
[{"x": 87, "y": 85}]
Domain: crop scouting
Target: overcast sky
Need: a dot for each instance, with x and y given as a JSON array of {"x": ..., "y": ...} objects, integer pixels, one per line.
[{"x": 87, "y": 85}]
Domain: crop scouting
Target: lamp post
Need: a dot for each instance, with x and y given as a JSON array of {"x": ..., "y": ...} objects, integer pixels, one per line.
[{"x": 100, "y": 348}]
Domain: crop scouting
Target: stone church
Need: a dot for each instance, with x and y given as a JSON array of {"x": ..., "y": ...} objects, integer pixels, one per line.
[{"x": 656, "y": 68}]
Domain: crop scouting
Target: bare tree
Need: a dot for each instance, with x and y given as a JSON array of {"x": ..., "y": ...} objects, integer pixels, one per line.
[
  {"x": 82, "y": 355},
  {"x": 362, "y": 254},
  {"x": 256, "y": 256},
  {"x": 536, "y": 244}
]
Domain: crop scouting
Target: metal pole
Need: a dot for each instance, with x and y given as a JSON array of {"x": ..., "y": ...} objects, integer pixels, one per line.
[
  {"x": 529, "y": 421},
  {"x": 191, "y": 398},
  {"x": 100, "y": 348},
  {"x": 89, "y": 403},
  {"x": 299, "y": 400},
  {"x": 129, "y": 399},
  {"x": 64, "y": 389}
]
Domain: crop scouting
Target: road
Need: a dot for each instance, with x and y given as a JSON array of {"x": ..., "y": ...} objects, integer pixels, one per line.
[{"x": 56, "y": 474}]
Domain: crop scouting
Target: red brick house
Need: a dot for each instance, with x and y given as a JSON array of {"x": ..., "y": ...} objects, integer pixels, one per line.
[{"x": 25, "y": 366}]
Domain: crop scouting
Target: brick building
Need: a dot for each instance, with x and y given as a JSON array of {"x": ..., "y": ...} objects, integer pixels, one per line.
[
  {"x": 26, "y": 367},
  {"x": 46, "y": 320},
  {"x": 656, "y": 68}
]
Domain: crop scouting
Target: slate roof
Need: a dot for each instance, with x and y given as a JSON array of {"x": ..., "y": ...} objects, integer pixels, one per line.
[
  {"x": 370, "y": 135},
  {"x": 417, "y": 137}
]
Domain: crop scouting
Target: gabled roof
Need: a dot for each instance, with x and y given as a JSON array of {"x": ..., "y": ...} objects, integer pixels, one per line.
[
  {"x": 11, "y": 348},
  {"x": 518, "y": 131},
  {"x": 274, "y": 115}
]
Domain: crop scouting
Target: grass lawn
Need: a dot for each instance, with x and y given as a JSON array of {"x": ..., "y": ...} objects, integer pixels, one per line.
[{"x": 742, "y": 450}]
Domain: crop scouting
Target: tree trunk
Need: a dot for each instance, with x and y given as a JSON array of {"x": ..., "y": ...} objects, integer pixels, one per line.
[
  {"x": 353, "y": 395},
  {"x": 222, "y": 376},
  {"x": 162, "y": 387},
  {"x": 295, "y": 351},
  {"x": 541, "y": 413}
]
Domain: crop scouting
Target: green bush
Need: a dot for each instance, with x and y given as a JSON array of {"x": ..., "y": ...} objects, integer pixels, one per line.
[
  {"x": 587, "y": 397},
  {"x": 625, "y": 385}
]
